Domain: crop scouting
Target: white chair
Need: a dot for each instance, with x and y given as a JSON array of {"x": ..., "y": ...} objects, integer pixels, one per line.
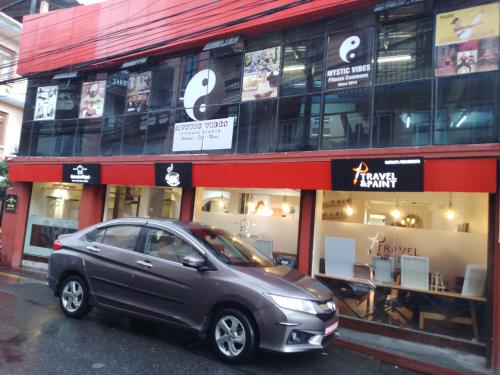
[
  {"x": 383, "y": 269},
  {"x": 340, "y": 256},
  {"x": 474, "y": 280}
]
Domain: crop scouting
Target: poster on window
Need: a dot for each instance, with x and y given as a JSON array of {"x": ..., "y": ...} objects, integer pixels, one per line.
[
  {"x": 467, "y": 40},
  {"x": 46, "y": 100},
  {"x": 349, "y": 61},
  {"x": 139, "y": 87},
  {"x": 92, "y": 102},
  {"x": 261, "y": 73}
]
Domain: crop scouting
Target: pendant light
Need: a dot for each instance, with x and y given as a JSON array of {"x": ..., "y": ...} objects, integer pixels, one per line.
[{"x": 450, "y": 212}]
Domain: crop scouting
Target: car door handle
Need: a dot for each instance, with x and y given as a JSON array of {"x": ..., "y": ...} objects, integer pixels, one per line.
[
  {"x": 144, "y": 263},
  {"x": 93, "y": 249}
]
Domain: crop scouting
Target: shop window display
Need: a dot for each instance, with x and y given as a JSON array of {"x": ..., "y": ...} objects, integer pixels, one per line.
[
  {"x": 54, "y": 210},
  {"x": 259, "y": 216},
  {"x": 413, "y": 260}
]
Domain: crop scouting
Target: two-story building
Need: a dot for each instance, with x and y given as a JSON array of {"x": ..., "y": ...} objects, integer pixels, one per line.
[{"x": 357, "y": 139}]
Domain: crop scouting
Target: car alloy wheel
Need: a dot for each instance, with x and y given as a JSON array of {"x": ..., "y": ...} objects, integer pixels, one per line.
[
  {"x": 74, "y": 297},
  {"x": 230, "y": 336},
  {"x": 233, "y": 335}
]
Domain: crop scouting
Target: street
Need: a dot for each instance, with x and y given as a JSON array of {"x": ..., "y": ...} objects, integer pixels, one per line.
[{"x": 36, "y": 338}]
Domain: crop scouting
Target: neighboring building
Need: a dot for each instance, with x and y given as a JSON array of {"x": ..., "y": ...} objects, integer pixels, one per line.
[
  {"x": 12, "y": 94},
  {"x": 357, "y": 139},
  {"x": 19, "y": 8}
]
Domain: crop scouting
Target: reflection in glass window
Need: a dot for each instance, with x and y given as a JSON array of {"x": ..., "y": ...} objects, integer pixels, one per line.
[
  {"x": 42, "y": 138},
  {"x": 230, "y": 69},
  {"x": 116, "y": 93},
  {"x": 302, "y": 67},
  {"x": 64, "y": 135},
  {"x": 24, "y": 142},
  {"x": 468, "y": 109},
  {"x": 298, "y": 123},
  {"x": 191, "y": 65},
  {"x": 68, "y": 100},
  {"x": 346, "y": 121},
  {"x": 256, "y": 126},
  {"x": 134, "y": 134},
  {"x": 405, "y": 51},
  {"x": 158, "y": 139},
  {"x": 165, "y": 84},
  {"x": 402, "y": 114},
  {"x": 88, "y": 137},
  {"x": 166, "y": 246},
  {"x": 121, "y": 236},
  {"x": 112, "y": 128}
]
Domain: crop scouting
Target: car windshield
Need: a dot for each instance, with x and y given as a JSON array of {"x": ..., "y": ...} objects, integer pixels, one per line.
[{"x": 230, "y": 249}]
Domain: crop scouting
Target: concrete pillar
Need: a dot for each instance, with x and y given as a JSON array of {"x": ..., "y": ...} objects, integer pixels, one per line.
[
  {"x": 306, "y": 230},
  {"x": 14, "y": 226},
  {"x": 91, "y": 205}
]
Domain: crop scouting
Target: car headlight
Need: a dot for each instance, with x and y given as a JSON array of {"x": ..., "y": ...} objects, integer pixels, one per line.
[{"x": 293, "y": 303}]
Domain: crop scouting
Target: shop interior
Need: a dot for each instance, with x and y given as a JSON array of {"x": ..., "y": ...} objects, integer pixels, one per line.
[
  {"x": 412, "y": 260},
  {"x": 266, "y": 218},
  {"x": 142, "y": 201},
  {"x": 54, "y": 210}
]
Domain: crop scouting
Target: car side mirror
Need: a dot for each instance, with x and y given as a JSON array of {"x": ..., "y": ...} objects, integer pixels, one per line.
[{"x": 195, "y": 261}]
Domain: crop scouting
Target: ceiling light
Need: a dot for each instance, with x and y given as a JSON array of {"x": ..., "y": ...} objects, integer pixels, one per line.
[
  {"x": 461, "y": 121},
  {"x": 293, "y": 68},
  {"x": 387, "y": 59}
]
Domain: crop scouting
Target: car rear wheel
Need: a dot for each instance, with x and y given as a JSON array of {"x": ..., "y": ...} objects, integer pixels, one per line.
[
  {"x": 233, "y": 336},
  {"x": 74, "y": 297}
]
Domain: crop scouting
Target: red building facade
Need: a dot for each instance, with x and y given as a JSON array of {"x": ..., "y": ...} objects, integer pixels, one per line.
[{"x": 259, "y": 102}]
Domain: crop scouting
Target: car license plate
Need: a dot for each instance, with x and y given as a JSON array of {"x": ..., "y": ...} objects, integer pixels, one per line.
[{"x": 331, "y": 328}]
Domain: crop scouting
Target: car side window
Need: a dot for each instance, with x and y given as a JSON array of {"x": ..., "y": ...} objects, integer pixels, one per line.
[
  {"x": 164, "y": 245},
  {"x": 122, "y": 236}
]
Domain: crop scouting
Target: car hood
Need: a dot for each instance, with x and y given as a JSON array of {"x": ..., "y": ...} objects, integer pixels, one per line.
[{"x": 284, "y": 281}]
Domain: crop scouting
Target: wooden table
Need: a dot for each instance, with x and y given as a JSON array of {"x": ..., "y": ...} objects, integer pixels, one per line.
[{"x": 440, "y": 315}]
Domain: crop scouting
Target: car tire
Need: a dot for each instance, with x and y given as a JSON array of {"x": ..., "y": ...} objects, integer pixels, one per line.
[
  {"x": 74, "y": 297},
  {"x": 233, "y": 336}
]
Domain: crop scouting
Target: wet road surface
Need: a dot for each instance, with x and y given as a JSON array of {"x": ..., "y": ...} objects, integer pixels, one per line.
[{"x": 36, "y": 338}]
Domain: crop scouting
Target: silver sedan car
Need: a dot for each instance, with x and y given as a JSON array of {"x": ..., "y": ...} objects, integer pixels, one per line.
[{"x": 193, "y": 277}]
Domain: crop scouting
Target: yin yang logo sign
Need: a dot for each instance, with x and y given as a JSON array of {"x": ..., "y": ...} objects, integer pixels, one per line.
[
  {"x": 204, "y": 88},
  {"x": 347, "y": 50}
]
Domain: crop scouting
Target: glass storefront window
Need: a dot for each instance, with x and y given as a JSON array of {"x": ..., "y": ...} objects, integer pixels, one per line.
[
  {"x": 229, "y": 69},
  {"x": 68, "y": 100},
  {"x": 159, "y": 133},
  {"x": 468, "y": 109},
  {"x": 134, "y": 134},
  {"x": 258, "y": 216},
  {"x": 111, "y": 139},
  {"x": 256, "y": 126},
  {"x": 116, "y": 93},
  {"x": 88, "y": 136},
  {"x": 54, "y": 210},
  {"x": 64, "y": 134},
  {"x": 303, "y": 67},
  {"x": 402, "y": 114},
  {"x": 298, "y": 123},
  {"x": 165, "y": 84},
  {"x": 346, "y": 120},
  {"x": 404, "y": 51},
  {"x": 412, "y": 260},
  {"x": 42, "y": 138},
  {"x": 142, "y": 201},
  {"x": 24, "y": 142}
]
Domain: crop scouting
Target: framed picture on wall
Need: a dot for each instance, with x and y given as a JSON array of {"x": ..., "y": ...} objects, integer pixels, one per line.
[
  {"x": 92, "y": 100},
  {"x": 139, "y": 88},
  {"x": 46, "y": 100},
  {"x": 261, "y": 74}
]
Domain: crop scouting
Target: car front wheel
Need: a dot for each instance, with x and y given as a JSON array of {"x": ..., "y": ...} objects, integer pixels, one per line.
[
  {"x": 233, "y": 336},
  {"x": 74, "y": 297}
]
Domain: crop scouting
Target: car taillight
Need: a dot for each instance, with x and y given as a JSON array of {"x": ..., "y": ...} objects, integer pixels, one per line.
[{"x": 57, "y": 245}]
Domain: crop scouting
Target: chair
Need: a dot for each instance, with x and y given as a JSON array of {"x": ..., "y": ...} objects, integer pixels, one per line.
[
  {"x": 383, "y": 269},
  {"x": 415, "y": 272},
  {"x": 265, "y": 247}
]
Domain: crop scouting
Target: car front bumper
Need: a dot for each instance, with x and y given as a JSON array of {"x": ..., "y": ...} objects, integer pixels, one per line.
[{"x": 281, "y": 326}]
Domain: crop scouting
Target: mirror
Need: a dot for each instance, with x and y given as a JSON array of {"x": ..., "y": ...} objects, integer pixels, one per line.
[{"x": 193, "y": 261}]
